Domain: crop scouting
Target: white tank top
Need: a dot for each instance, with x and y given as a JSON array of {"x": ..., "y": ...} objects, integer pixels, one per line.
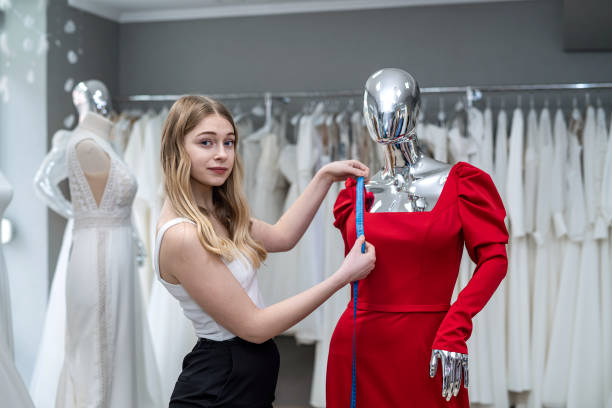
[{"x": 204, "y": 325}]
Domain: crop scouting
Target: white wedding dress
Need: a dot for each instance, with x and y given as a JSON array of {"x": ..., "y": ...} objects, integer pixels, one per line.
[
  {"x": 50, "y": 355},
  {"x": 13, "y": 392},
  {"x": 556, "y": 374},
  {"x": 109, "y": 360},
  {"x": 517, "y": 280}
]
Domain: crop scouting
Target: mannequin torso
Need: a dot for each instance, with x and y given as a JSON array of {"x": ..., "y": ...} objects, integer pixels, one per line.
[{"x": 412, "y": 188}]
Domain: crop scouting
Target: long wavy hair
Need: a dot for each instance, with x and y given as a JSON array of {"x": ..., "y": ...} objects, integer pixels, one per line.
[{"x": 230, "y": 206}]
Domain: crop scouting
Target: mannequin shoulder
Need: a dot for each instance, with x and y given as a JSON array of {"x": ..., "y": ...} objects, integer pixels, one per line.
[{"x": 91, "y": 156}]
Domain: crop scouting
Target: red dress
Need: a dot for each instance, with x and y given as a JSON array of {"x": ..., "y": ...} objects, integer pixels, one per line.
[{"x": 403, "y": 309}]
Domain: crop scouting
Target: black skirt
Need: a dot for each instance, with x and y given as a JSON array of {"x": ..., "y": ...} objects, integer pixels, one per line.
[{"x": 231, "y": 373}]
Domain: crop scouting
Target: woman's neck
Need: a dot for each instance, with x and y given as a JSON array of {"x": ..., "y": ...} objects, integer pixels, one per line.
[{"x": 203, "y": 195}]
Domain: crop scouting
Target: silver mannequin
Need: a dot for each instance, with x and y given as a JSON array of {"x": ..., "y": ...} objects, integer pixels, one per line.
[
  {"x": 410, "y": 180},
  {"x": 87, "y": 96}
]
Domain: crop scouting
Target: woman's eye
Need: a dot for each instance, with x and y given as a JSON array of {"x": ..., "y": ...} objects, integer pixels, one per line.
[
  {"x": 206, "y": 142},
  {"x": 229, "y": 143}
]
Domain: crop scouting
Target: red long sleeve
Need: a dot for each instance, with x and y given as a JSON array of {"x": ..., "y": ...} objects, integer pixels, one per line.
[{"x": 482, "y": 216}]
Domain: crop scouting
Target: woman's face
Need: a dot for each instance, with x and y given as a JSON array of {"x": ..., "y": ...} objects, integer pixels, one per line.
[{"x": 210, "y": 146}]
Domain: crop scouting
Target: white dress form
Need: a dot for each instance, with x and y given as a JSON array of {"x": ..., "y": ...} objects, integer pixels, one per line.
[
  {"x": 12, "y": 390},
  {"x": 109, "y": 360}
]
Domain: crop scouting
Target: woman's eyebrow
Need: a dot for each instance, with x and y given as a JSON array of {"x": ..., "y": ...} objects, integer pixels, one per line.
[{"x": 210, "y": 132}]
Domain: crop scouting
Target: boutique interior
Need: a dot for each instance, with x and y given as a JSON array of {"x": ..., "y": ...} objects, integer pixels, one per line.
[{"x": 521, "y": 90}]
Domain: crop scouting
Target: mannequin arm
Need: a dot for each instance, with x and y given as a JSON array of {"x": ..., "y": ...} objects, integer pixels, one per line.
[{"x": 46, "y": 181}]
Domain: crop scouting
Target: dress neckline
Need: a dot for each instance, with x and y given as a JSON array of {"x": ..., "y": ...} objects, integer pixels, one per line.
[{"x": 441, "y": 197}]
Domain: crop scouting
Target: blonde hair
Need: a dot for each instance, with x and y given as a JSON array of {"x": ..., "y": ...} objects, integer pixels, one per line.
[{"x": 230, "y": 204}]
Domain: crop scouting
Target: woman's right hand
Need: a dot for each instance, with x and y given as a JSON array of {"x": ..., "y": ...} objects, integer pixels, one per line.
[{"x": 357, "y": 265}]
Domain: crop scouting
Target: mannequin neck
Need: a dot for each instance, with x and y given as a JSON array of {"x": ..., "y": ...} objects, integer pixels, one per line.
[
  {"x": 97, "y": 124},
  {"x": 402, "y": 157}
]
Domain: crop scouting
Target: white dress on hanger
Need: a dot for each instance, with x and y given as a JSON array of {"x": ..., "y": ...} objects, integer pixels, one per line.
[
  {"x": 556, "y": 374},
  {"x": 284, "y": 282},
  {"x": 335, "y": 305},
  {"x": 481, "y": 386},
  {"x": 495, "y": 312},
  {"x": 542, "y": 270},
  {"x": 606, "y": 272},
  {"x": 606, "y": 188},
  {"x": 558, "y": 188},
  {"x": 267, "y": 202},
  {"x": 531, "y": 170},
  {"x": 311, "y": 249},
  {"x": 487, "y": 345},
  {"x": 594, "y": 142},
  {"x": 487, "y": 142},
  {"x": 605, "y": 282},
  {"x": 6, "y": 320},
  {"x": 585, "y": 387},
  {"x": 501, "y": 154},
  {"x": 559, "y": 181},
  {"x": 172, "y": 334},
  {"x": 109, "y": 360},
  {"x": 135, "y": 159},
  {"x": 519, "y": 367},
  {"x": 12, "y": 390}
]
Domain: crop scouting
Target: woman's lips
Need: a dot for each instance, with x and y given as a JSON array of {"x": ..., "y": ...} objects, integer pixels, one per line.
[{"x": 218, "y": 170}]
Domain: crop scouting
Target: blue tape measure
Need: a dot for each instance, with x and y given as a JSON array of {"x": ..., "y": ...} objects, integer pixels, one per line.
[{"x": 360, "y": 232}]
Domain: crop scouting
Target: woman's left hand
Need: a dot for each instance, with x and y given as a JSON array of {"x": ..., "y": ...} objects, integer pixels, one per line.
[{"x": 341, "y": 170}]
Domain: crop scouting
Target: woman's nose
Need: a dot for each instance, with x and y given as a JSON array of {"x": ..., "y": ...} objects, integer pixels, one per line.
[{"x": 221, "y": 153}]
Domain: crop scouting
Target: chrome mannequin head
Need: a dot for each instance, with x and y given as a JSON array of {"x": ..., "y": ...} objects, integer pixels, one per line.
[
  {"x": 91, "y": 96},
  {"x": 391, "y": 103}
]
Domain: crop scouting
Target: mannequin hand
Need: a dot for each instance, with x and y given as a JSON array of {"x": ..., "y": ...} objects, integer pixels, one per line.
[
  {"x": 454, "y": 365},
  {"x": 341, "y": 170}
]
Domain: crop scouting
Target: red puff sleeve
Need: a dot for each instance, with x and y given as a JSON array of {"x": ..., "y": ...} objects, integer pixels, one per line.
[
  {"x": 345, "y": 206},
  {"x": 482, "y": 219}
]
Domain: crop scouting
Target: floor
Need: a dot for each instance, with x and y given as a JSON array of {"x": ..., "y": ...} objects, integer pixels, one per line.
[{"x": 295, "y": 373}]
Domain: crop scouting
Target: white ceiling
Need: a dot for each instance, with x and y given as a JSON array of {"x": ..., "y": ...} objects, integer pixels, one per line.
[{"x": 125, "y": 11}]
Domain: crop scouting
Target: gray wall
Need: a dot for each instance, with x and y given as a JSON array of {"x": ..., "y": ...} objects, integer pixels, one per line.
[
  {"x": 474, "y": 44},
  {"x": 23, "y": 136},
  {"x": 95, "y": 42}
]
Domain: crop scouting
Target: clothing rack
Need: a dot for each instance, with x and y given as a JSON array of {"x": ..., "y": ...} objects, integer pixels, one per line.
[{"x": 472, "y": 92}]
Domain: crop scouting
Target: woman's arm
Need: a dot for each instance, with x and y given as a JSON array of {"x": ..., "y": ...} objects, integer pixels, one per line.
[
  {"x": 212, "y": 285},
  {"x": 283, "y": 235}
]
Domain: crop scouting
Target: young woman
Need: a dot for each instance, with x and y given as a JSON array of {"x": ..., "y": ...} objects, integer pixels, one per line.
[{"x": 209, "y": 248}]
